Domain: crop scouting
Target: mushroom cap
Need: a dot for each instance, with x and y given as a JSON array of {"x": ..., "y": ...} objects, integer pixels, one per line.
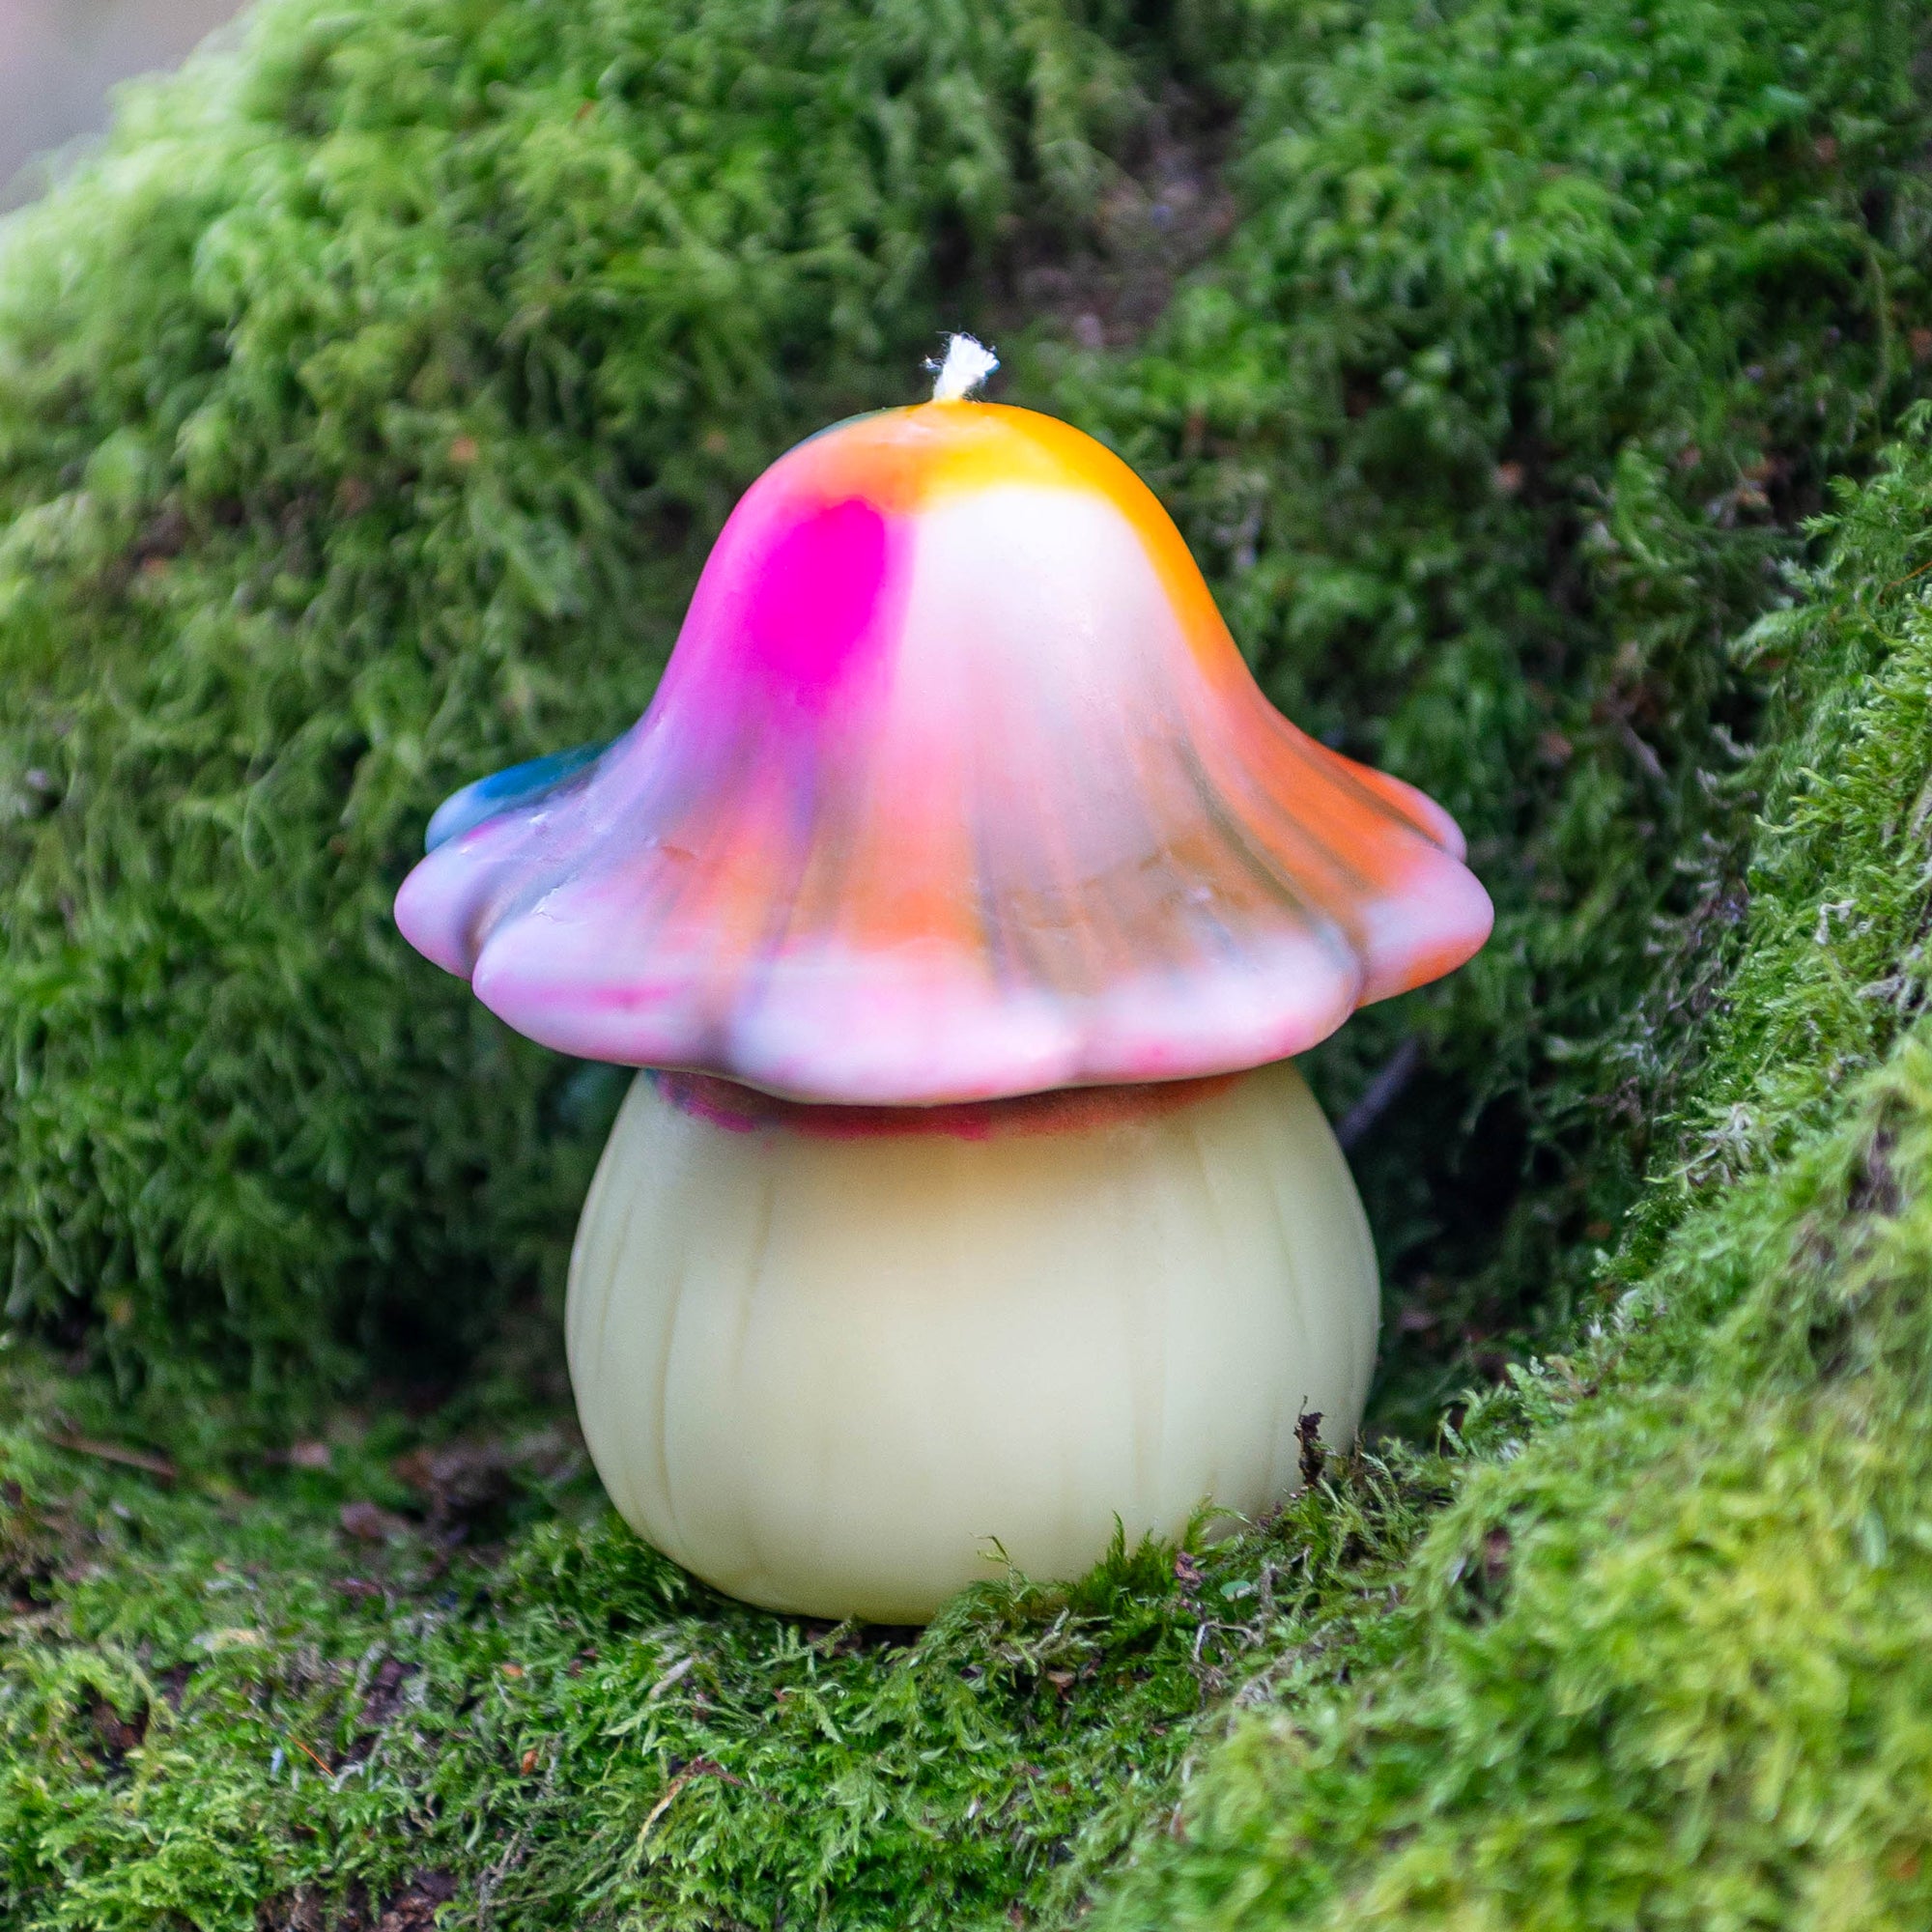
[{"x": 955, "y": 786}]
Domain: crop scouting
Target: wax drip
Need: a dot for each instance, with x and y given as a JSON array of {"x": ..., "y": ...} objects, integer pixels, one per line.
[{"x": 967, "y": 364}]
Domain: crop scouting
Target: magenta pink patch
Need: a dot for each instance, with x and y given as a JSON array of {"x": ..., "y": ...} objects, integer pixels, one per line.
[{"x": 817, "y": 590}]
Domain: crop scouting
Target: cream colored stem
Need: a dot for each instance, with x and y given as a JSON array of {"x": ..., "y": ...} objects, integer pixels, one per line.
[{"x": 827, "y": 1373}]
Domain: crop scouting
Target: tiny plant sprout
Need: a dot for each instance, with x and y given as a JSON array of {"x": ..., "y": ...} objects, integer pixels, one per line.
[{"x": 965, "y": 901}]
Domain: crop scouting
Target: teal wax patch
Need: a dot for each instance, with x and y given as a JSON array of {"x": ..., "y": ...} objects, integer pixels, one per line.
[{"x": 521, "y": 785}]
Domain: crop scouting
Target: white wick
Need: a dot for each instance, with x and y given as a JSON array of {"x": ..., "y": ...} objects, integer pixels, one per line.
[{"x": 967, "y": 364}]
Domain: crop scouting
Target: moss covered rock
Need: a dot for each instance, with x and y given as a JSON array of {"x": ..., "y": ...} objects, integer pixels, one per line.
[
  {"x": 1664, "y": 1660},
  {"x": 364, "y": 415},
  {"x": 1496, "y": 418}
]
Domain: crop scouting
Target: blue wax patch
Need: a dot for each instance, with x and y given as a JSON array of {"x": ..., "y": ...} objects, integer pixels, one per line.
[{"x": 521, "y": 785}]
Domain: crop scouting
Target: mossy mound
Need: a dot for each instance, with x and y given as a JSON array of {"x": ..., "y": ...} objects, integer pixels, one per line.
[
  {"x": 1497, "y": 418},
  {"x": 1662, "y": 1661},
  {"x": 364, "y": 416}
]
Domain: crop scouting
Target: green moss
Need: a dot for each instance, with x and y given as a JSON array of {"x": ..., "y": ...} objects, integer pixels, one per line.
[
  {"x": 209, "y": 1703},
  {"x": 1664, "y": 1660},
  {"x": 1497, "y": 414},
  {"x": 1644, "y": 1642},
  {"x": 364, "y": 418}
]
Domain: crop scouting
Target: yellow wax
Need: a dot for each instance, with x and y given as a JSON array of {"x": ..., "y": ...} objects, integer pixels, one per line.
[{"x": 829, "y": 1373}]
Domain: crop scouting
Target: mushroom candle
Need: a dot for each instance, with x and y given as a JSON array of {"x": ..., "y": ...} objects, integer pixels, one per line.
[{"x": 956, "y": 880}]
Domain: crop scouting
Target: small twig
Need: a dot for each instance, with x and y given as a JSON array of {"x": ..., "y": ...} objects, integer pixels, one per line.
[
  {"x": 1906, "y": 579},
  {"x": 495, "y": 1875},
  {"x": 698, "y": 1767},
  {"x": 1314, "y": 1458},
  {"x": 664, "y": 1804},
  {"x": 1642, "y": 753},
  {"x": 158, "y": 1467},
  {"x": 1380, "y": 1093},
  {"x": 319, "y": 1764},
  {"x": 486, "y": 1886},
  {"x": 680, "y": 1669}
]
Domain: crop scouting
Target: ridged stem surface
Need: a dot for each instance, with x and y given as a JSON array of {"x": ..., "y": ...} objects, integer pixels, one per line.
[{"x": 828, "y": 1364}]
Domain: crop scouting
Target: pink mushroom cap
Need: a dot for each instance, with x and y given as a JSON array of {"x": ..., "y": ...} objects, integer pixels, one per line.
[{"x": 956, "y": 787}]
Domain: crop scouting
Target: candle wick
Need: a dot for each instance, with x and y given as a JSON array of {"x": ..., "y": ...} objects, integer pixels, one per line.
[{"x": 967, "y": 364}]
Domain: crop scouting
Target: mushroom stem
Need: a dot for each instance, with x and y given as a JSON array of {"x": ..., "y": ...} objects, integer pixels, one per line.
[{"x": 829, "y": 1357}]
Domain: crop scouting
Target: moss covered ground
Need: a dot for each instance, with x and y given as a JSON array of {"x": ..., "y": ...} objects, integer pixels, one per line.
[{"x": 1537, "y": 384}]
